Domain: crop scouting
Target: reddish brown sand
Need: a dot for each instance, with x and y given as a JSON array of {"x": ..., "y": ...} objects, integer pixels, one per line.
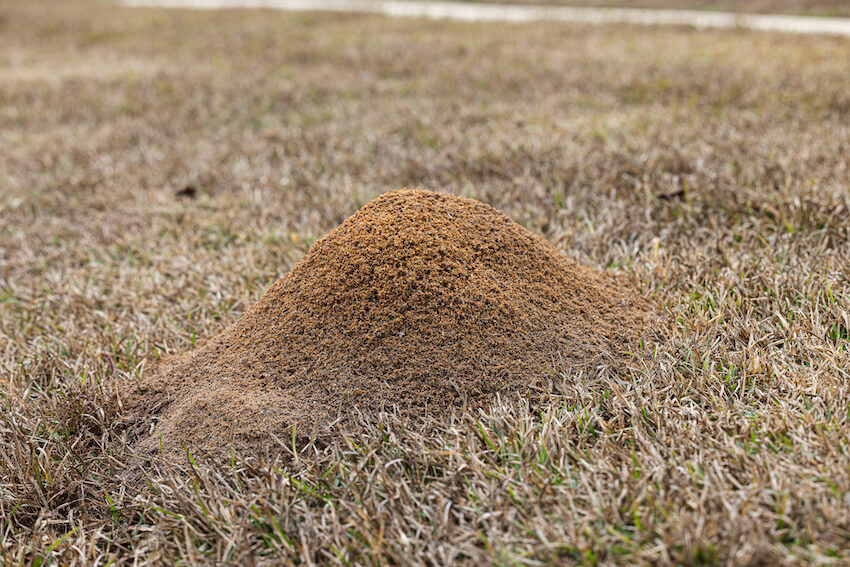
[{"x": 420, "y": 300}]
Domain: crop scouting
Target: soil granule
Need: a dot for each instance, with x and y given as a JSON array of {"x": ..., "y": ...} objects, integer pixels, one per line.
[{"x": 420, "y": 301}]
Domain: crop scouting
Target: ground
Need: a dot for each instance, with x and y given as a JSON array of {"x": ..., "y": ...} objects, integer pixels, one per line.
[
  {"x": 160, "y": 169},
  {"x": 804, "y": 7}
]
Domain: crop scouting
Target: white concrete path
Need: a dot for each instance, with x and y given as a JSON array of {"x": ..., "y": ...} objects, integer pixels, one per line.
[{"x": 526, "y": 13}]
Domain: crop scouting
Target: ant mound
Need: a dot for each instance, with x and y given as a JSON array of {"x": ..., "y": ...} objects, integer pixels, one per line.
[{"x": 419, "y": 301}]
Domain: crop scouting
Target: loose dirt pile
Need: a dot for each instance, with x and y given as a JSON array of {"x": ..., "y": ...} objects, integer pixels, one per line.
[{"x": 419, "y": 300}]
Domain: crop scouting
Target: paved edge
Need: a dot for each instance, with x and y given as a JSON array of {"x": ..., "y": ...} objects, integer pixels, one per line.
[{"x": 529, "y": 13}]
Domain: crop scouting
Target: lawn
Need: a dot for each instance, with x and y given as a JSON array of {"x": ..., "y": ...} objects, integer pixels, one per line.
[
  {"x": 160, "y": 169},
  {"x": 802, "y": 7}
]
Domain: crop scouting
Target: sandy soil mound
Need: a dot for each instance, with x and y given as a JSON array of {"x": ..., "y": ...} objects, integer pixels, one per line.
[{"x": 420, "y": 300}]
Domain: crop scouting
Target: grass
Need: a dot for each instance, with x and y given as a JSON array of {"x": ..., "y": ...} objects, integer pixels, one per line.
[
  {"x": 829, "y": 8},
  {"x": 711, "y": 166}
]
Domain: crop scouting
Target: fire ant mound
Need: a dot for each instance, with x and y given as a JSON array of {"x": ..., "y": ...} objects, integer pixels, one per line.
[{"x": 420, "y": 301}]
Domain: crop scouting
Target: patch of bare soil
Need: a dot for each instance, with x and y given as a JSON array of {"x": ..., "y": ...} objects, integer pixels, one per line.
[{"x": 422, "y": 301}]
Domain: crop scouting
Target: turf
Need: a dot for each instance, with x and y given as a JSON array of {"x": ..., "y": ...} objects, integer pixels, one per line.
[
  {"x": 829, "y": 8},
  {"x": 160, "y": 169}
]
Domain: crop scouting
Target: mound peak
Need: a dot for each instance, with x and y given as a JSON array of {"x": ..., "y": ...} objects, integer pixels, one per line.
[{"x": 418, "y": 300}]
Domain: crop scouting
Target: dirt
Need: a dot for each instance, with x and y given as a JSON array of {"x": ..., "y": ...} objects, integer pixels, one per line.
[{"x": 420, "y": 301}]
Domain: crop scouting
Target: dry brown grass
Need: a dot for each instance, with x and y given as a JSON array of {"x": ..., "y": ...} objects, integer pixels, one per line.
[
  {"x": 803, "y": 7},
  {"x": 713, "y": 167}
]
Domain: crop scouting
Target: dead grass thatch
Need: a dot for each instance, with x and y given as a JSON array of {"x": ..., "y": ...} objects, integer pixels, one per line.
[{"x": 159, "y": 169}]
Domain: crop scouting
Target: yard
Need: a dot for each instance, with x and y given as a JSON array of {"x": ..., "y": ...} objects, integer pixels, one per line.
[{"x": 160, "y": 169}]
